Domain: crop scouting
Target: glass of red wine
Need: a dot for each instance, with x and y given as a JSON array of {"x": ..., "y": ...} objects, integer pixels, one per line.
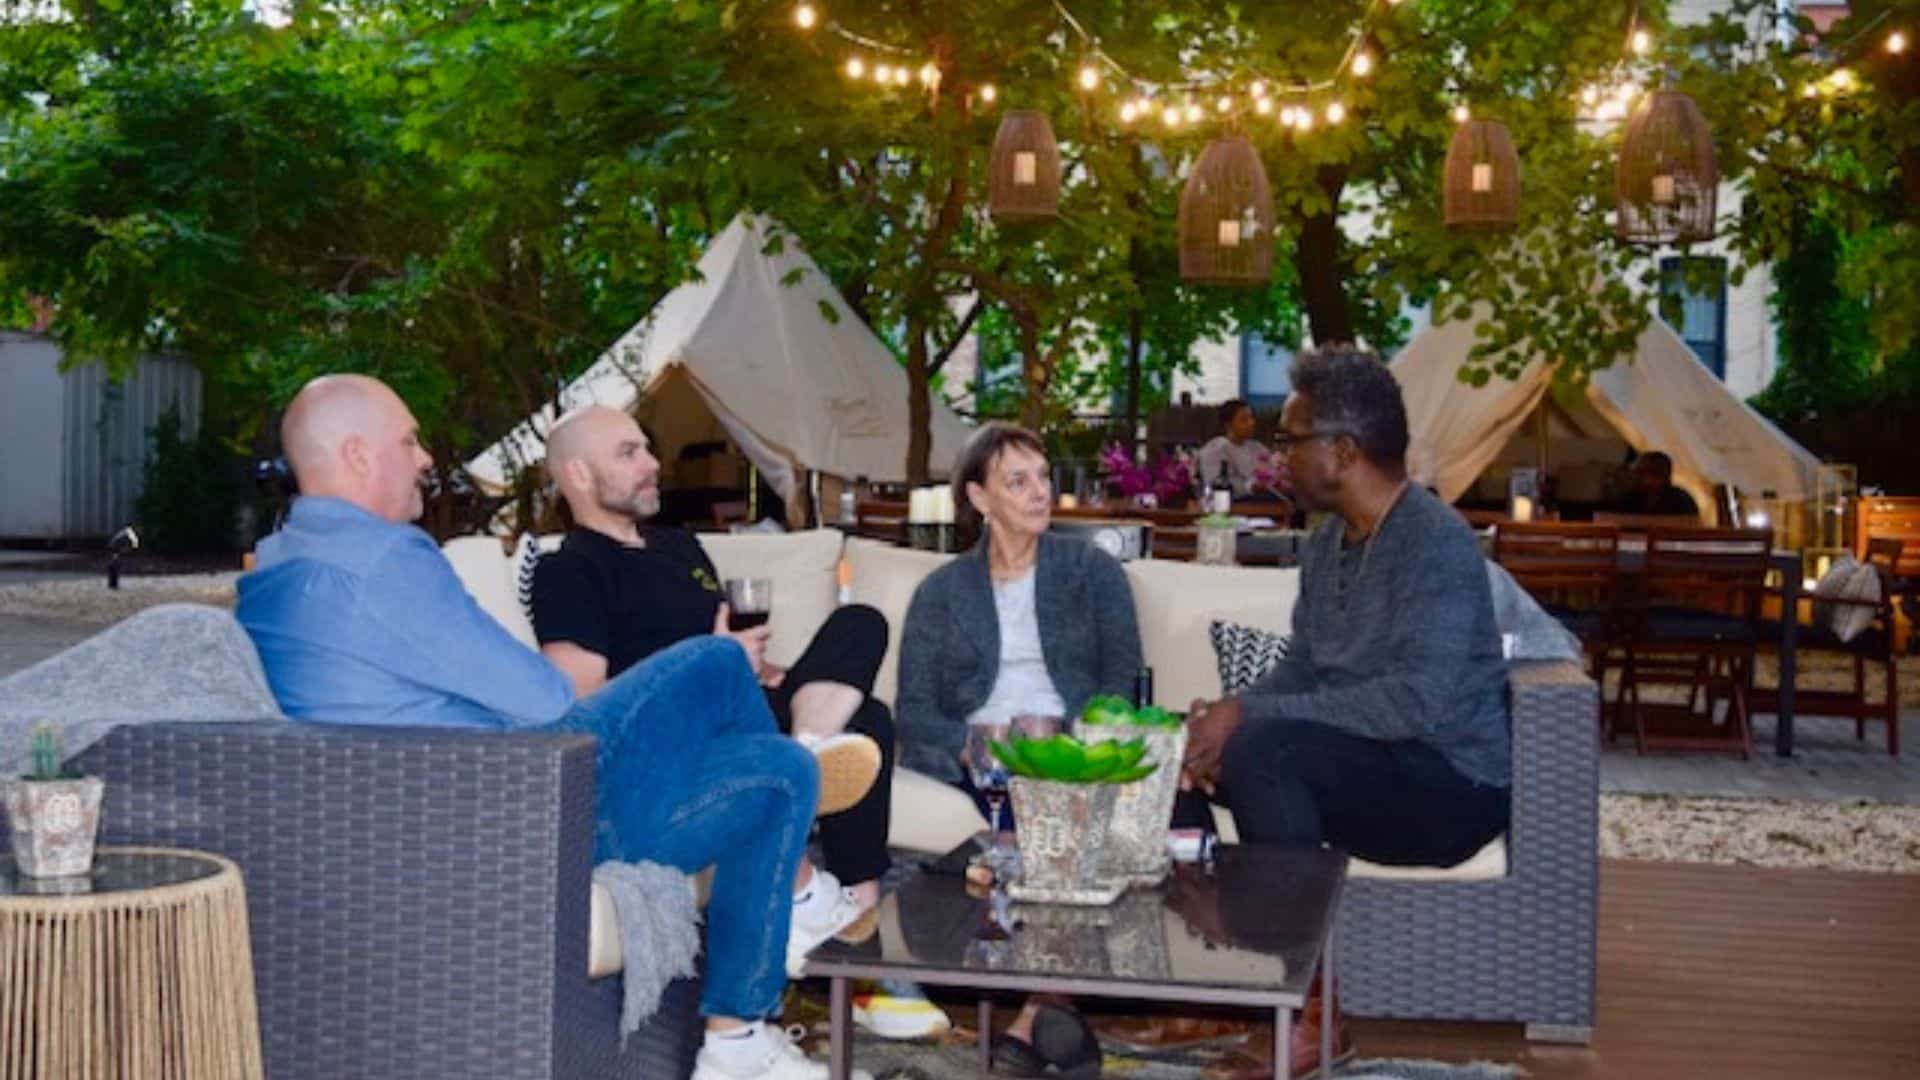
[
  {"x": 990, "y": 775},
  {"x": 749, "y": 602}
]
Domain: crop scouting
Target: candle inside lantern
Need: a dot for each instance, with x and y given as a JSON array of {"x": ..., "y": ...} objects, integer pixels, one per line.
[
  {"x": 1026, "y": 168},
  {"x": 1229, "y": 233},
  {"x": 1068, "y": 501},
  {"x": 1482, "y": 177},
  {"x": 1663, "y": 189},
  {"x": 1522, "y": 509}
]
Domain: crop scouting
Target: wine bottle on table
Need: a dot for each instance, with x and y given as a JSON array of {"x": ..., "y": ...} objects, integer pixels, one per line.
[{"x": 1220, "y": 494}]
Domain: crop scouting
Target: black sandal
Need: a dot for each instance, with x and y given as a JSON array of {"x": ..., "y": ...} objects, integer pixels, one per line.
[{"x": 1063, "y": 1046}]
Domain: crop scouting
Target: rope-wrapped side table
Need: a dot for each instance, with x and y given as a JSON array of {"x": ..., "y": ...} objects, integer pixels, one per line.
[{"x": 141, "y": 969}]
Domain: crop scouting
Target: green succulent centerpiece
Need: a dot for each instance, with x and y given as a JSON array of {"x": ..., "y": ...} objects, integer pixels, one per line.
[
  {"x": 1136, "y": 844},
  {"x": 54, "y": 812},
  {"x": 1067, "y": 760}
]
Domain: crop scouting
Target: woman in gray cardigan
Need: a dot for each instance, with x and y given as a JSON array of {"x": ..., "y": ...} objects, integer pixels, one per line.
[{"x": 1023, "y": 623}]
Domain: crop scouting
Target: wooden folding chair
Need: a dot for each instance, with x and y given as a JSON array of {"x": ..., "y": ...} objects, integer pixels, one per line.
[
  {"x": 1693, "y": 622},
  {"x": 1574, "y": 571}
]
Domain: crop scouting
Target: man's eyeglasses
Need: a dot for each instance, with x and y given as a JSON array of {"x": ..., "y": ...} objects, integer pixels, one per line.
[{"x": 1285, "y": 441}]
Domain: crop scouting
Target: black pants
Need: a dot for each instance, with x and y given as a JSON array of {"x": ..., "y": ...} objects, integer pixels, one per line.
[
  {"x": 1394, "y": 803},
  {"x": 848, "y": 650}
]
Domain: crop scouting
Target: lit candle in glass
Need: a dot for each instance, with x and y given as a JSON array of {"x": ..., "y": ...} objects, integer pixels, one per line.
[
  {"x": 1482, "y": 178},
  {"x": 1522, "y": 509},
  {"x": 1229, "y": 233},
  {"x": 1663, "y": 189},
  {"x": 1068, "y": 501},
  {"x": 1026, "y": 168}
]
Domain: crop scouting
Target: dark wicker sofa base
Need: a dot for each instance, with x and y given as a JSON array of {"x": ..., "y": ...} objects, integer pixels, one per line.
[
  {"x": 1519, "y": 948},
  {"x": 419, "y": 898}
]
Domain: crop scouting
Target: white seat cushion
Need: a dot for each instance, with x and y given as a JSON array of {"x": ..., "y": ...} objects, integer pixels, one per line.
[
  {"x": 485, "y": 566},
  {"x": 1487, "y": 864},
  {"x": 885, "y": 577},
  {"x": 803, "y": 567},
  {"x": 1176, "y": 602}
]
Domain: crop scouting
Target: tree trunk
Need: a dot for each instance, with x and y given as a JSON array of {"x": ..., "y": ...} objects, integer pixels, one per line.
[
  {"x": 1136, "y": 345},
  {"x": 919, "y": 404},
  {"x": 1322, "y": 269}
]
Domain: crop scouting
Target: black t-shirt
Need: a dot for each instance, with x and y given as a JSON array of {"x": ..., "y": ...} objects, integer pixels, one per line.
[{"x": 625, "y": 603}]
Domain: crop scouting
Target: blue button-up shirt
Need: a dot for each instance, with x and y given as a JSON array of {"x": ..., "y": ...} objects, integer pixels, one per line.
[{"x": 362, "y": 621}]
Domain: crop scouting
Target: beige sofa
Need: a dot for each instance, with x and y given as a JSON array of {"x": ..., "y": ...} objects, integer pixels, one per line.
[{"x": 1175, "y": 603}]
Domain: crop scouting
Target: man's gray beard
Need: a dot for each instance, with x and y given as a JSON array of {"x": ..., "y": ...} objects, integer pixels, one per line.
[{"x": 640, "y": 507}]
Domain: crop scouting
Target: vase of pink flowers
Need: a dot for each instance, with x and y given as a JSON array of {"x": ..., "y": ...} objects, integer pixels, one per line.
[{"x": 1165, "y": 482}]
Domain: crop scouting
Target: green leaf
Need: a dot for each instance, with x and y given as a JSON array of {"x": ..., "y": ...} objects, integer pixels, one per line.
[{"x": 829, "y": 312}]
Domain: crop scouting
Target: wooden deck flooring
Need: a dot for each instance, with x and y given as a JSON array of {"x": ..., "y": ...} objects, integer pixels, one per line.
[{"x": 1718, "y": 972}]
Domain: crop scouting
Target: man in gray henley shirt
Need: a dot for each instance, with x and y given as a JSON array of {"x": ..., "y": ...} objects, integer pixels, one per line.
[{"x": 1385, "y": 730}]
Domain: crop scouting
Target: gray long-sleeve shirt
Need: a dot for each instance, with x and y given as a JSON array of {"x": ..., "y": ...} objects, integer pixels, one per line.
[{"x": 1397, "y": 642}]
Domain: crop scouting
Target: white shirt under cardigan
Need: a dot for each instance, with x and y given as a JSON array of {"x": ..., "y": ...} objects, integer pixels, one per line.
[{"x": 1022, "y": 686}]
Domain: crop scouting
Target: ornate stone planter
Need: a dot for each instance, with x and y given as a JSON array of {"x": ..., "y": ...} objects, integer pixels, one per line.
[
  {"x": 1062, "y": 832},
  {"x": 1136, "y": 847},
  {"x": 54, "y": 823}
]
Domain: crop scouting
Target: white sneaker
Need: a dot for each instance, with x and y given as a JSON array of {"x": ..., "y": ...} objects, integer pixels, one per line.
[
  {"x": 811, "y": 927},
  {"x": 849, "y": 764},
  {"x": 773, "y": 1057}
]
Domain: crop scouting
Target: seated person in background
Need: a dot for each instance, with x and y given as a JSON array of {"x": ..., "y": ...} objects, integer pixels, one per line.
[
  {"x": 619, "y": 590},
  {"x": 359, "y": 619},
  {"x": 1236, "y": 448},
  {"x": 1384, "y": 731},
  {"x": 1653, "y": 493},
  {"x": 1025, "y": 623}
]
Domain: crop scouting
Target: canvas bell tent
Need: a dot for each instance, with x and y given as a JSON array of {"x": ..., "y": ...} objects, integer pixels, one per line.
[
  {"x": 759, "y": 350},
  {"x": 1661, "y": 398}
]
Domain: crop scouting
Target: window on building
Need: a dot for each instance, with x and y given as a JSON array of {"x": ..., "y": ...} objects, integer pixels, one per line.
[
  {"x": 1264, "y": 370},
  {"x": 1693, "y": 298}
]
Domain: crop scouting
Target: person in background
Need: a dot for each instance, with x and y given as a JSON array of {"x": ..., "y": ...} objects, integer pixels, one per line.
[
  {"x": 1653, "y": 493},
  {"x": 1236, "y": 448}
]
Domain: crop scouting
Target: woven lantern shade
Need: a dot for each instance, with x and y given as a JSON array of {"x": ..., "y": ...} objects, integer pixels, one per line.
[
  {"x": 1482, "y": 189},
  {"x": 1226, "y": 217},
  {"x": 1667, "y": 184},
  {"x": 1023, "y": 177}
]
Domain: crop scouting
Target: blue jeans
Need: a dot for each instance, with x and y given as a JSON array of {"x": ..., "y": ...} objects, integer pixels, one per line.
[{"x": 694, "y": 773}]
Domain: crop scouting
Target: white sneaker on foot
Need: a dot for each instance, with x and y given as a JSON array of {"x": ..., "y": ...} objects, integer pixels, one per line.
[
  {"x": 849, "y": 764},
  {"x": 766, "y": 1055},
  {"x": 817, "y": 920}
]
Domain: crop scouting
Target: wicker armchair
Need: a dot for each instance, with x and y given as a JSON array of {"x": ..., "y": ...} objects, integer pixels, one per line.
[
  {"x": 419, "y": 898},
  {"x": 1516, "y": 948}
]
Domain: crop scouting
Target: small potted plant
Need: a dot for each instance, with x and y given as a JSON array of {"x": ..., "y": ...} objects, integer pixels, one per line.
[
  {"x": 54, "y": 813},
  {"x": 1136, "y": 845},
  {"x": 1063, "y": 794}
]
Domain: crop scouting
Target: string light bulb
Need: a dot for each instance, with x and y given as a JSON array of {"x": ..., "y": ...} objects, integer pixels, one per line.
[
  {"x": 1303, "y": 120},
  {"x": 1224, "y": 104},
  {"x": 1172, "y": 117},
  {"x": 1193, "y": 113},
  {"x": 1363, "y": 63},
  {"x": 805, "y": 16},
  {"x": 1642, "y": 41},
  {"x": 1336, "y": 113},
  {"x": 1590, "y": 96},
  {"x": 883, "y": 74},
  {"x": 929, "y": 75},
  {"x": 1897, "y": 42},
  {"x": 901, "y": 76},
  {"x": 1263, "y": 106},
  {"x": 1258, "y": 89},
  {"x": 856, "y": 68},
  {"x": 1843, "y": 80},
  {"x": 988, "y": 93},
  {"x": 1461, "y": 114},
  {"x": 1089, "y": 77},
  {"x": 1127, "y": 113}
]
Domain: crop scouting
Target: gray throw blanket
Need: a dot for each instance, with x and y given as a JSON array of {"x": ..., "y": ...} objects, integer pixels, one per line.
[
  {"x": 1536, "y": 635},
  {"x": 659, "y": 933},
  {"x": 173, "y": 662}
]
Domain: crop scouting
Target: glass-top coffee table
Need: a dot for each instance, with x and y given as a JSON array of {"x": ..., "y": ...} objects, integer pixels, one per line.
[{"x": 1249, "y": 929}]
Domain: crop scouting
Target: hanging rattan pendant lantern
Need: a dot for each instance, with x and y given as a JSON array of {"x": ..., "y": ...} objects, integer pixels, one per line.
[
  {"x": 1667, "y": 185},
  {"x": 1482, "y": 189},
  {"x": 1226, "y": 217},
  {"x": 1023, "y": 178}
]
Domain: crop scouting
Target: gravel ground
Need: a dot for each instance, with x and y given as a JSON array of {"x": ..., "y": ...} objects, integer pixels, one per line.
[
  {"x": 89, "y": 599},
  {"x": 1757, "y": 832}
]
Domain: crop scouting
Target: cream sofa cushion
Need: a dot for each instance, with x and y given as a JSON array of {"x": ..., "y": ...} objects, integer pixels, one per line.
[
  {"x": 485, "y": 567},
  {"x": 803, "y": 567},
  {"x": 1487, "y": 864},
  {"x": 885, "y": 577},
  {"x": 1176, "y": 601}
]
